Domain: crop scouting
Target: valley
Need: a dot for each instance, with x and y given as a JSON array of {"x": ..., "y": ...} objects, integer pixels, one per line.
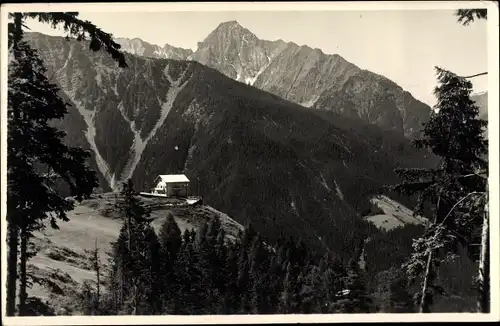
[
  {"x": 246, "y": 176},
  {"x": 250, "y": 154}
]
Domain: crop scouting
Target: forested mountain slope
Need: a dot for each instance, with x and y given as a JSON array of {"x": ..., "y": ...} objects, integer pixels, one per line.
[{"x": 251, "y": 154}]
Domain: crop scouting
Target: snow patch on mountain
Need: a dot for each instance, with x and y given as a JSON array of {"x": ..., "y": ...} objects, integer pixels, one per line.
[
  {"x": 250, "y": 80},
  {"x": 310, "y": 103},
  {"x": 254, "y": 78}
]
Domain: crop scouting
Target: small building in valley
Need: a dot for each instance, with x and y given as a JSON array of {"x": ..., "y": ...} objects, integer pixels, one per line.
[{"x": 171, "y": 185}]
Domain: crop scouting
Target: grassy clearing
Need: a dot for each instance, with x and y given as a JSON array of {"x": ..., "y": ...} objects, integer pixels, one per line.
[
  {"x": 62, "y": 256},
  {"x": 395, "y": 214}
]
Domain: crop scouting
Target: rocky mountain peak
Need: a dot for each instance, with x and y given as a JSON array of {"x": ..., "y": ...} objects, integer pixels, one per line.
[
  {"x": 300, "y": 74},
  {"x": 231, "y": 23},
  {"x": 230, "y": 31},
  {"x": 236, "y": 52},
  {"x": 309, "y": 77}
]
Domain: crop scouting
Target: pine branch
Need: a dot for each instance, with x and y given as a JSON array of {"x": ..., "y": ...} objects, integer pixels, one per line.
[
  {"x": 467, "y": 16},
  {"x": 460, "y": 201},
  {"x": 476, "y": 75},
  {"x": 70, "y": 23}
]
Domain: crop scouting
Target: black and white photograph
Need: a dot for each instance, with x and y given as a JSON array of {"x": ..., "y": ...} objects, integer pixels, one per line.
[{"x": 250, "y": 159}]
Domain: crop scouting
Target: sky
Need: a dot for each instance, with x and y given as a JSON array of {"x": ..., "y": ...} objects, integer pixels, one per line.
[{"x": 403, "y": 45}]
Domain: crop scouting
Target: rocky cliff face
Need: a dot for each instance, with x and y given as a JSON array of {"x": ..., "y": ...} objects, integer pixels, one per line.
[
  {"x": 141, "y": 48},
  {"x": 310, "y": 78},
  {"x": 236, "y": 52},
  {"x": 249, "y": 153}
]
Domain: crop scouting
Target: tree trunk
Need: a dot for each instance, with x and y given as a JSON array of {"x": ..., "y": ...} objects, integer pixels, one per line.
[
  {"x": 98, "y": 293},
  {"x": 18, "y": 33},
  {"x": 424, "y": 306},
  {"x": 152, "y": 289},
  {"x": 13, "y": 241},
  {"x": 483, "y": 299},
  {"x": 128, "y": 233},
  {"x": 129, "y": 252},
  {"x": 98, "y": 275},
  {"x": 22, "y": 272},
  {"x": 12, "y": 228},
  {"x": 136, "y": 298},
  {"x": 424, "y": 299},
  {"x": 120, "y": 284}
]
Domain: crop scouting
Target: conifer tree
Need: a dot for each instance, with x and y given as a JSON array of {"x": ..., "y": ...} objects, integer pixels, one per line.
[
  {"x": 205, "y": 257},
  {"x": 258, "y": 276},
  {"x": 243, "y": 280},
  {"x": 232, "y": 295},
  {"x": 170, "y": 238},
  {"x": 34, "y": 147},
  {"x": 137, "y": 271},
  {"x": 136, "y": 252},
  {"x": 190, "y": 289},
  {"x": 32, "y": 103},
  {"x": 212, "y": 262},
  {"x": 331, "y": 273},
  {"x": 454, "y": 133},
  {"x": 152, "y": 275},
  {"x": 401, "y": 300},
  {"x": 312, "y": 292},
  {"x": 26, "y": 228},
  {"x": 286, "y": 305},
  {"x": 355, "y": 298},
  {"x": 466, "y": 17},
  {"x": 87, "y": 297},
  {"x": 274, "y": 281},
  {"x": 221, "y": 261},
  {"x": 96, "y": 265},
  {"x": 454, "y": 187},
  {"x": 392, "y": 292}
]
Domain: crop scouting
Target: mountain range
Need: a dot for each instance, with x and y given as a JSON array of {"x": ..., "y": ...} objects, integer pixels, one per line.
[
  {"x": 292, "y": 140},
  {"x": 299, "y": 74},
  {"x": 145, "y": 49},
  {"x": 251, "y": 154}
]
